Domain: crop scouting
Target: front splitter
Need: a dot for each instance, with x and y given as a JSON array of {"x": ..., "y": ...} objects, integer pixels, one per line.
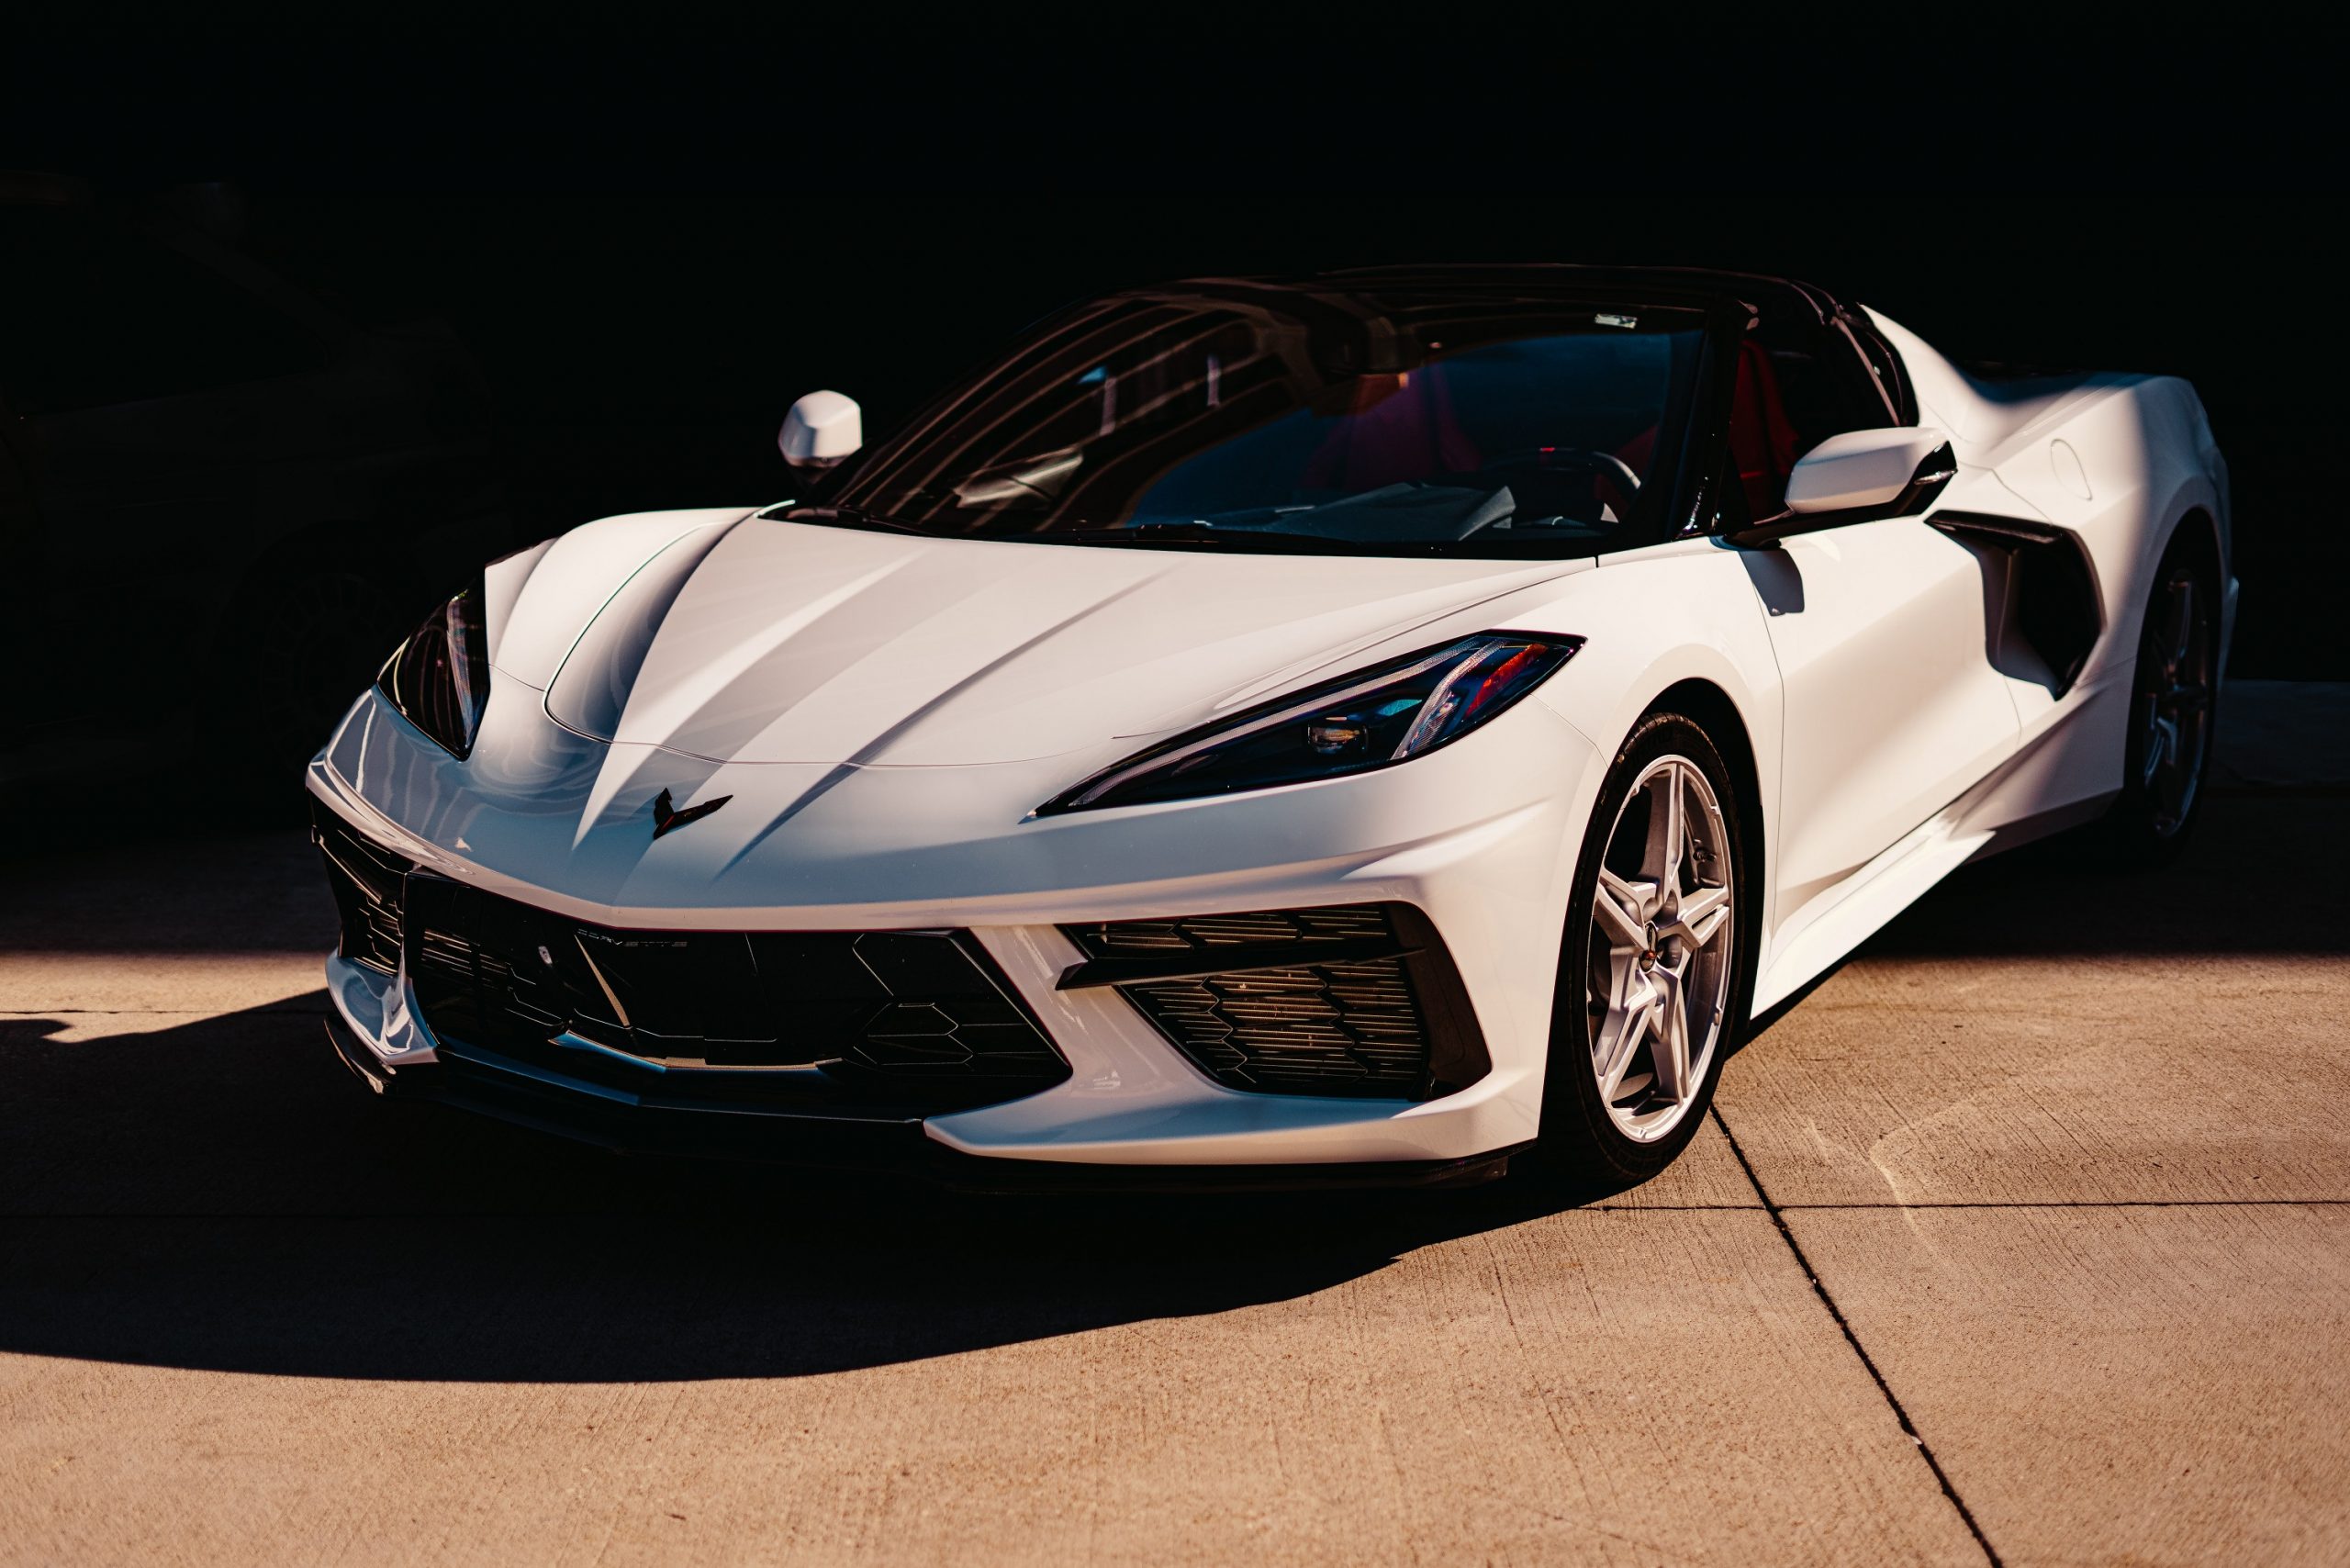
[{"x": 482, "y": 1085}]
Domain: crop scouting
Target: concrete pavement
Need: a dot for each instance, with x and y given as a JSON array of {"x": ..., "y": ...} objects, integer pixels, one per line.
[{"x": 2024, "y": 1237}]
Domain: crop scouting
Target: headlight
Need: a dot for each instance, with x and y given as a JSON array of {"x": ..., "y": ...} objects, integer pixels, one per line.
[
  {"x": 1373, "y": 718},
  {"x": 439, "y": 678}
]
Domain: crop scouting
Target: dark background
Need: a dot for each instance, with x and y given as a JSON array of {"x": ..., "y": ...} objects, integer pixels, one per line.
[{"x": 653, "y": 238}]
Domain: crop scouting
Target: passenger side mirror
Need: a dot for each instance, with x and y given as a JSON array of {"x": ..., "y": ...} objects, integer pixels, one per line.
[
  {"x": 822, "y": 429},
  {"x": 1859, "y": 477}
]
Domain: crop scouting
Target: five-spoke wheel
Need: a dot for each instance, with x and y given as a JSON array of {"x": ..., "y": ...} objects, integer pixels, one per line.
[
  {"x": 1649, "y": 996},
  {"x": 2174, "y": 700},
  {"x": 1660, "y": 948}
]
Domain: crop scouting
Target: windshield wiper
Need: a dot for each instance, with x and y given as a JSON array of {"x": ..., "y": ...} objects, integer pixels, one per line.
[
  {"x": 1202, "y": 535},
  {"x": 1156, "y": 535},
  {"x": 851, "y": 517}
]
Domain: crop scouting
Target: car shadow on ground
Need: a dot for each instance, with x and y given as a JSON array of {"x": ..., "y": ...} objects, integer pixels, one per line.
[
  {"x": 2063, "y": 897},
  {"x": 222, "y": 1195},
  {"x": 219, "y": 1194}
]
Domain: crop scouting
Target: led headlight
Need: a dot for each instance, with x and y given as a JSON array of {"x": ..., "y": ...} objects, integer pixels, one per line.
[
  {"x": 439, "y": 678},
  {"x": 1373, "y": 718}
]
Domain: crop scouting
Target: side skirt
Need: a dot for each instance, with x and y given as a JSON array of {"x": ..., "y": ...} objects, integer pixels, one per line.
[
  {"x": 1975, "y": 825},
  {"x": 1874, "y": 895}
]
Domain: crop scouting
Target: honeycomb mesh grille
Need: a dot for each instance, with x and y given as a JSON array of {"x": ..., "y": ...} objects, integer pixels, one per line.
[
  {"x": 876, "y": 1024},
  {"x": 1347, "y": 1026},
  {"x": 916, "y": 1017}
]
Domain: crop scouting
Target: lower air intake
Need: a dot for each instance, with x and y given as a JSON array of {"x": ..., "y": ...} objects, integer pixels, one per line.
[
  {"x": 367, "y": 882},
  {"x": 1353, "y": 1000}
]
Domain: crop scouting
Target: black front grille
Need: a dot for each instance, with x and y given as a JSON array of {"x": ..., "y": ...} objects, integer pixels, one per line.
[
  {"x": 826, "y": 1022},
  {"x": 1357, "y": 1000},
  {"x": 367, "y": 882}
]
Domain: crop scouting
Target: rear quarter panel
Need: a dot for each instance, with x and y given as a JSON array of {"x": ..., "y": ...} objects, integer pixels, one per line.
[{"x": 2120, "y": 463}]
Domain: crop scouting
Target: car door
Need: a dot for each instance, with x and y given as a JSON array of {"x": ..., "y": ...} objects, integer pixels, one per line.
[{"x": 1881, "y": 629}]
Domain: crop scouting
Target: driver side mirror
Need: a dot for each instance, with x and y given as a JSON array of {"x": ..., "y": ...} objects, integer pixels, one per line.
[
  {"x": 1860, "y": 477},
  {"x": 822, "y": 429}
]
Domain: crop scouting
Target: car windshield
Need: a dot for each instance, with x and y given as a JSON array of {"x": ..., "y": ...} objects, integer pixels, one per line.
[{"x": 1257, "y": 417}]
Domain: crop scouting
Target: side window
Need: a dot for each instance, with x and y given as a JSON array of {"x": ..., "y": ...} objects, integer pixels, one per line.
[
  {"x": 105, "y": 317},
  {"x": 1799, "y": 381}
]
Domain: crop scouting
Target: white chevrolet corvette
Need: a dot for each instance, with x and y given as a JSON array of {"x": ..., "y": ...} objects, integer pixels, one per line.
[{"x": 1348, "y": 728}]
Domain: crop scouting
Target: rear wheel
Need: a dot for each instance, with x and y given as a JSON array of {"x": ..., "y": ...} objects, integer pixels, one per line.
[
  {"x": 1651, "y": 983},
  {"x": 2172, "y": 703}
]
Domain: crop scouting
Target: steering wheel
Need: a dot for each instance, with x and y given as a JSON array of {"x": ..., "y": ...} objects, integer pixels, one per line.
[
  {"x": 1571, "y": 456},
  {"x": 1611, "y": 471}
]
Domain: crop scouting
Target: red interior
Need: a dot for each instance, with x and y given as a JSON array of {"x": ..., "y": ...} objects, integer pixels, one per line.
[{"x": 1763, "y": 439}]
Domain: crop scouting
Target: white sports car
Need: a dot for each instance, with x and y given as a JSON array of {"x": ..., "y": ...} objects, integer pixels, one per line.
[{"x": 1358, "y": 727}]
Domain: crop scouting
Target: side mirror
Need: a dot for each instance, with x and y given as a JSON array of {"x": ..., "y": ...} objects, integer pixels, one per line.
[
  {"x": 1859, "y": 477},
  {"x": 822, "y": 429}
]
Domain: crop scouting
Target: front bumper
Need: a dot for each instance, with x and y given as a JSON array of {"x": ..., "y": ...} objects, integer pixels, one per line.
[
  {"x": 1477, "y": 837},
  {"x": 514, "y": 1094}
]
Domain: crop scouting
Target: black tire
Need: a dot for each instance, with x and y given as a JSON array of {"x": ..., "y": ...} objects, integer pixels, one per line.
[
  {"x": 1581, "y": 1143},
  {"x": 2148, "y": 823}
]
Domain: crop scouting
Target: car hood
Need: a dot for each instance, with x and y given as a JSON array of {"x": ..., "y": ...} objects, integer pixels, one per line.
[{"x": 739, "y": 639}]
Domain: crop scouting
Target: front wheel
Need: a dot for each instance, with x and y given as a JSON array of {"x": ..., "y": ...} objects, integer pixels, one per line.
[{"x": 1652, "y": 985}]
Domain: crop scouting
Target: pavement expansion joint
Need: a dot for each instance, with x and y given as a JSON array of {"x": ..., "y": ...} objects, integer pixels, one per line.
[
  {"x": 1868, "y": 1363},
  {"x": 2072, "y": 1204}
]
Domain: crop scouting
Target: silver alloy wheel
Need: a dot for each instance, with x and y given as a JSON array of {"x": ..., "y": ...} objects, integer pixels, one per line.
[
  {"x": 2174, "y": 702},
  {"x": 1660, "y": 950}
]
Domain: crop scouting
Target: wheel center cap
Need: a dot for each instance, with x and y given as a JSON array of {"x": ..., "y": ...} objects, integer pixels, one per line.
[{"x": 1650, "y": 942}]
